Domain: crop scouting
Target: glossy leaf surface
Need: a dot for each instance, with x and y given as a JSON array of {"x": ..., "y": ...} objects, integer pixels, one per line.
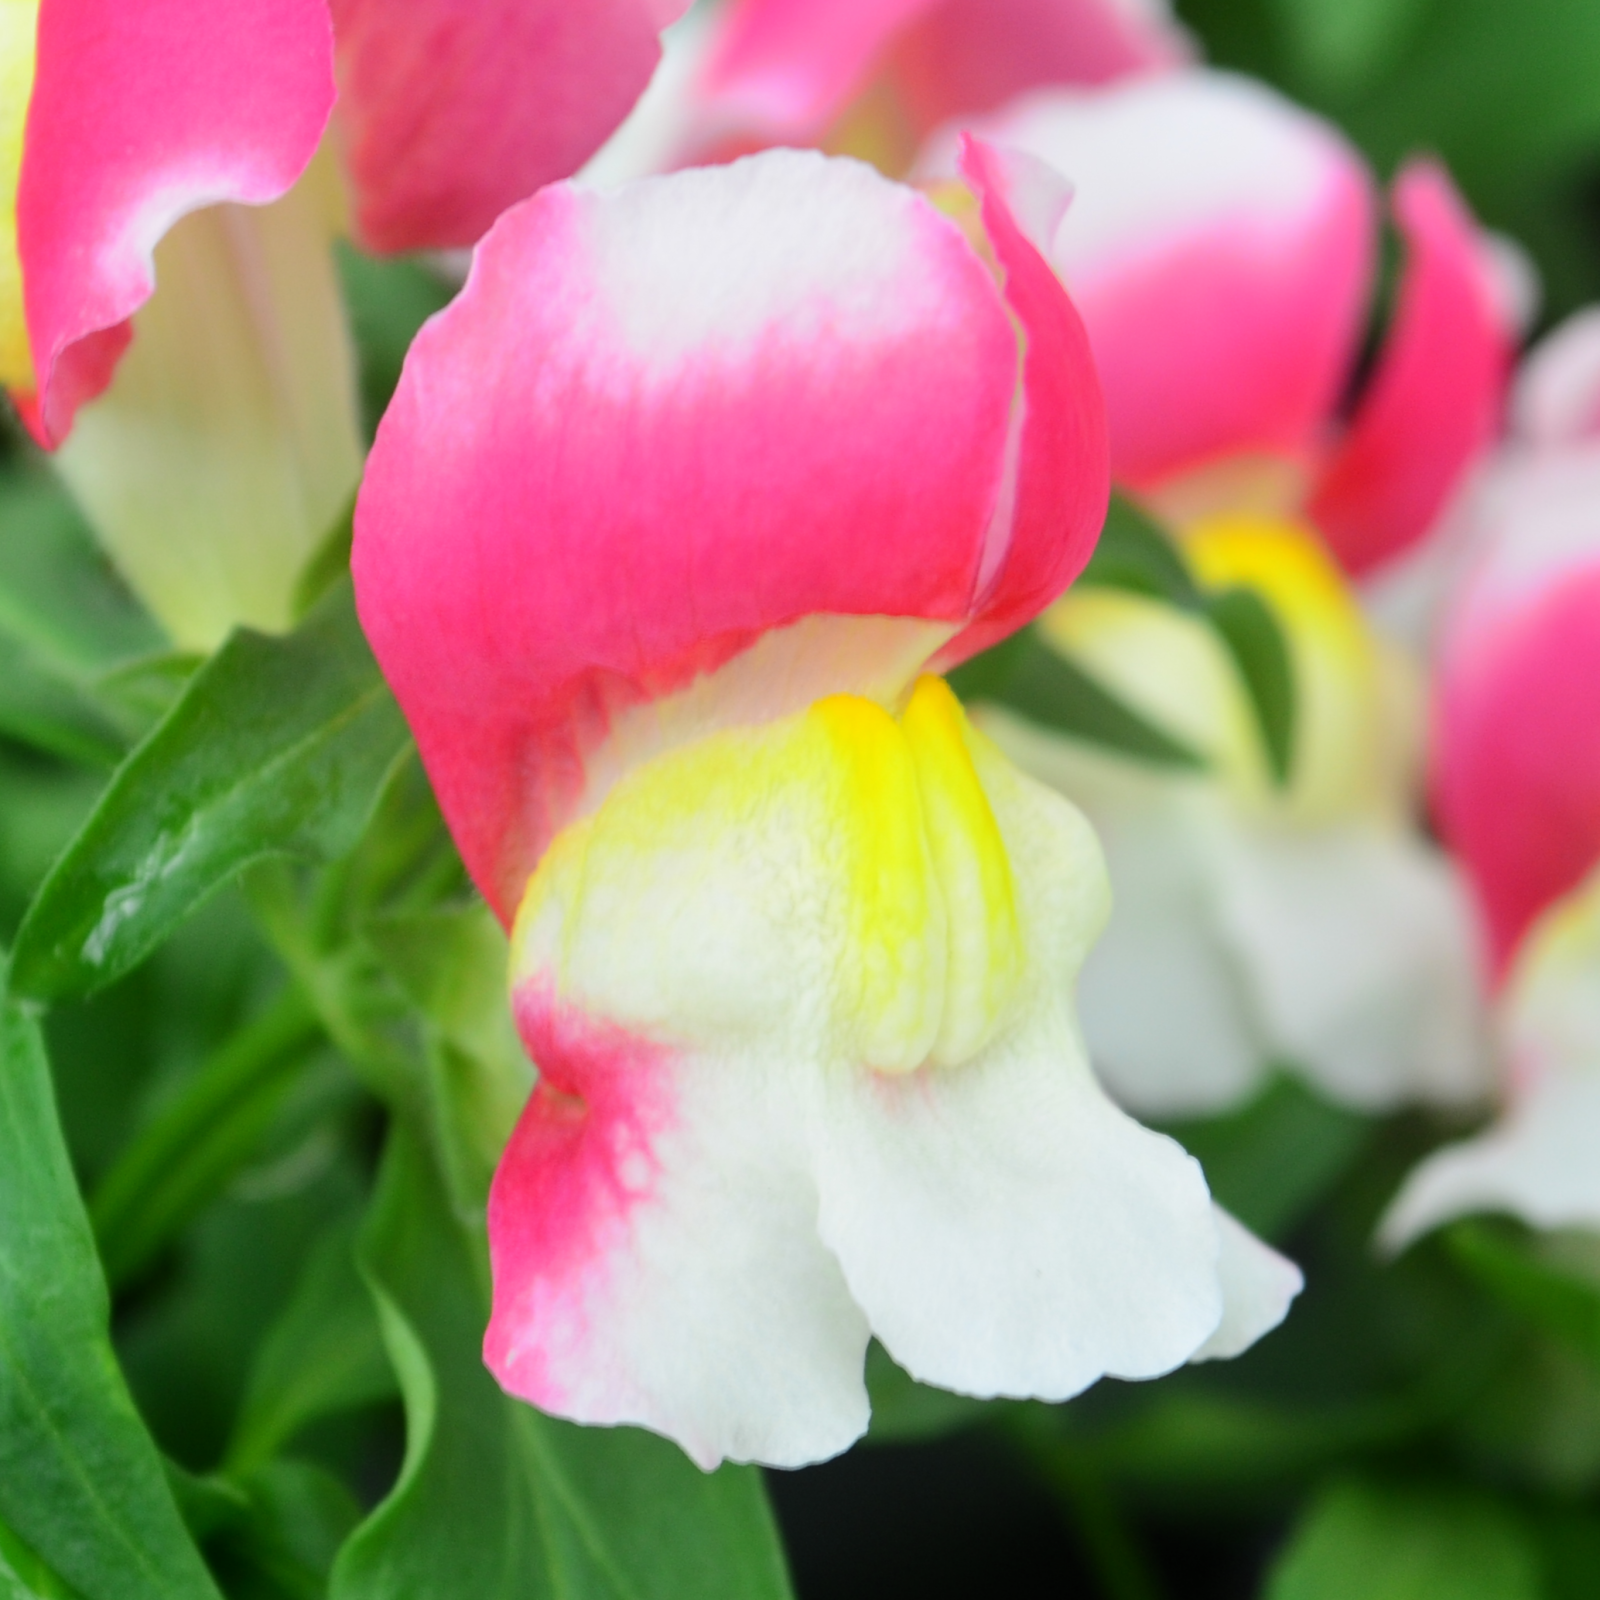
[
  {"x": 276, "y": 747},
  {"x": 83, "y": 1498}
]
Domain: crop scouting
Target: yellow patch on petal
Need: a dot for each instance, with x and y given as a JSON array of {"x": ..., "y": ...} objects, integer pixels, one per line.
[
  {"x": 973, "y": 868},
  {"x": 19, "y": 23},
  {"x": 1551, "y": 1002},
  {"x": 1339, "y": 735},
  {"x": 862, "y": 841}
]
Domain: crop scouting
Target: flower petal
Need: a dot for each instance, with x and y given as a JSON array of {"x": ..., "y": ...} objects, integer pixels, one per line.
[
  {"x": 1434, "y": 404},
  {"x": 1053, "y": 497},
  {"x": 19, "y": 25},
  {"x": 1169, "y": 1016},
  {"x": 1517, "y": 763},
  {"x": 652, "y": 1228},
  {"x": 1359, "y": 945},
  {"x": 1006, "y": 1229},
  {"x": 1557, "y": 396},
  {"x": 790, "y": 67},
  {"x": 228, "y": 442},
  {"x": 1258, "y": 1287},
  {"x": 658, "y": 424},
  {"x": 1219, "y": 250},
  {"x": 451, "y": 112},
  {"x": 1538, "y": 1164},
  {"x": 787, "y": 67},
  {"x": 817, "y": 974},
  {"x": 964, "y": 57},
  {"x": 140, "y": 114}
]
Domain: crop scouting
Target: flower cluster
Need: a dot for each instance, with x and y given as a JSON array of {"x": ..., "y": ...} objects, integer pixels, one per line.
[{"x": 776, "y": 413}]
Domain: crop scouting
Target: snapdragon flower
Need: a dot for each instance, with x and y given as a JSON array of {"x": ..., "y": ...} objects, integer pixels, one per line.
[
  {"x": 151, "y": 139},
  {"x": 678, "y": 512},
  {"x": 1220, "y": 249},
  {"x": 1517, "y": 785}
]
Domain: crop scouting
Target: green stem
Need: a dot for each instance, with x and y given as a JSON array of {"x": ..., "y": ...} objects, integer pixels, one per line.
[{"x": 189, "y": 1153}]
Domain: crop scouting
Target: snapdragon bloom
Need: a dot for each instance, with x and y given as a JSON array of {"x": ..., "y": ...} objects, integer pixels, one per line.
[
  {"x": 1220, "y": 248},
  {"x": 678, "y": 512},
  {"x": 1517, "y": 786},
  {"x": 149, "y": 139}
]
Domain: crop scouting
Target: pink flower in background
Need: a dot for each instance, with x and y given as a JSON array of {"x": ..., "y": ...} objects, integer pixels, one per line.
[
  {"x": 214, "y": 463},
  {"x": 677, "y": 509},
  {"x": 1517, "y": 790},
  {"x": 1221, "y": 250},
  {"x": 872, "y": 78},
  {"x": 119, "y": 119}
]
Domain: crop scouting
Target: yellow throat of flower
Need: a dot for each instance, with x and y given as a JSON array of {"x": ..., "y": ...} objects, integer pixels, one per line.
[
  {"x": 861, "y": 844},
  {"x": 19, "y": 22}
]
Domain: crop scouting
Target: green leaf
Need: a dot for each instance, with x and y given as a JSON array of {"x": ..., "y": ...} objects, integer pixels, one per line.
[
  {"x": 1553, "y": 1281},
  {"x": 1385, "y": 1541},
  {"x": 277, "y": 747},
  {"x": 1270, "y": 1162},
  {"x": 1185, "y": 1445},
  {"x": 496, "y": 1499},
  {"x": 210, "y": 1130},
  {"x": 82, "y": 1488},
  {"x": 1337, "y": 45},
  {"x": 1027, "y": 675},
  {"x": 1134, "y": 554},
  {"x": 389, "y": 300},
  {"x": 450, "y": 963},
  {"x": 1248, "y": 628},
  {"x": 324, "y": 1354}
]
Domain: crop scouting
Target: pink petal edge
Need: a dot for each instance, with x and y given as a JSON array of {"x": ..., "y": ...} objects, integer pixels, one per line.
[
  {"x": 1516, "y": 775},
  {"x": 1434, "y": 404},
  {"x": 140, "y": 114}
]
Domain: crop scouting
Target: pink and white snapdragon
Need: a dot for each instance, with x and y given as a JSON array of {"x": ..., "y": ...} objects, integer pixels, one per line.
[
  {"x": 145, "y": 140},
  {"x": 1220, "y": 246},
  {"x": 678, "y": 511},
  {"x": 1517, "y": 786}
]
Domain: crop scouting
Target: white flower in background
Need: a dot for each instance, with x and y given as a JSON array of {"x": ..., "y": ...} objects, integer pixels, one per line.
[{"x": 1517, "y": 769}]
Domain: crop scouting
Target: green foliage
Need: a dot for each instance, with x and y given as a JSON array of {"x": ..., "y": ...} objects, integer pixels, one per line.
[
  {"x": 1027, "y": 675},
  {"x": 277, "y": 746},
  {"x": 1366, "y": 1540},
  {"x": 1134, "y": 554},
  {"x": 83, "y": 1499}
]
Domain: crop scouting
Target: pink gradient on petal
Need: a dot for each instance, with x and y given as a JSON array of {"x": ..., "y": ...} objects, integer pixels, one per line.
[
  {"x": 452, "y": 110},
  {"x": 141, "y": 113},
  {"x": 1233, "y": 337},
  {"x": 790, "y": 66},
  {"x": 1517, "y": 751},
  {"x": 592, "y": 487},
  {"x": 1061, "y": 471},
  {"x": 1435, "y": 402},
  {"x": 579, "y": 1165},
  {"x": 963, "y": 57}
]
